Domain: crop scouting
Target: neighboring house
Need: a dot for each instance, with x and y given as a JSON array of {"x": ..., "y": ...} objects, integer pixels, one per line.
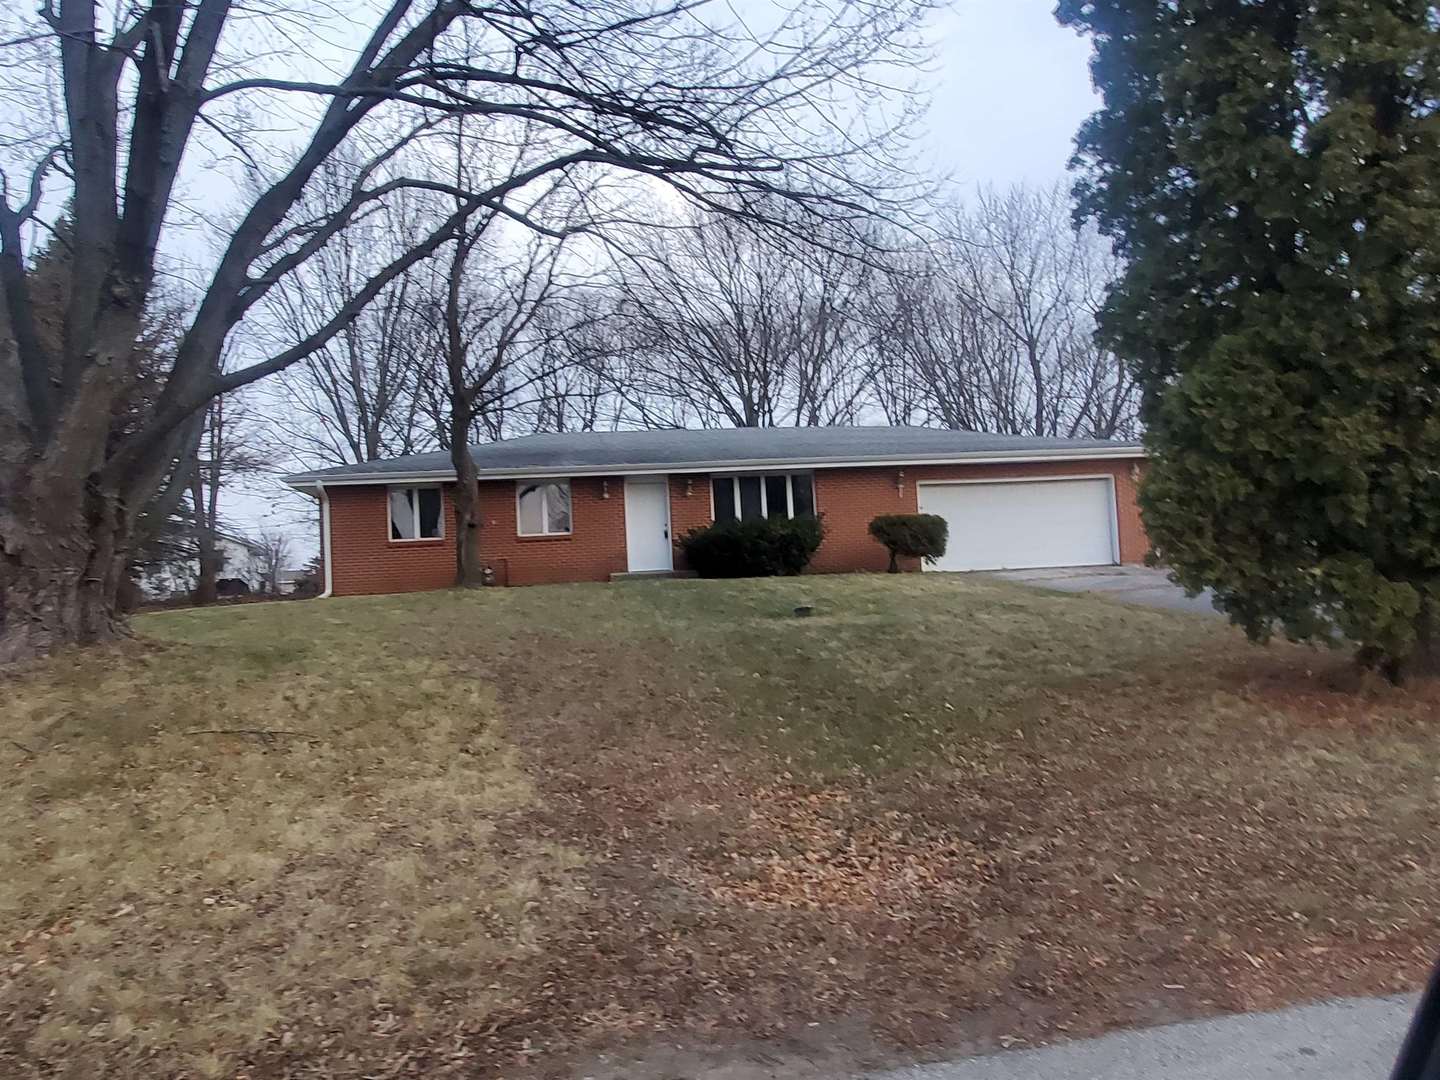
[
  {"x": 241, "y": 558},
  {"x": 590, "y": 505}
]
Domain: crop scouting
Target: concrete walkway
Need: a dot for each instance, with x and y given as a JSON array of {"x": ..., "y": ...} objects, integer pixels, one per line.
[
  {"x": 1351, "y": 1039},
  {"x": 1140, "y": 585}
]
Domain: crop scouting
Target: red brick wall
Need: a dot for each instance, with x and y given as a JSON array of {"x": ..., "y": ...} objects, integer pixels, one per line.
[
  {"x": 367, "y": 561},
  {"x": 847, "y": 499},
  {"x": 689, "y": 507},
  {"x": 593, "y": 550}
]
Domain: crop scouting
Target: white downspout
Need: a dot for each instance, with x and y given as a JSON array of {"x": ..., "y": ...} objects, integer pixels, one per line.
[{"x": 325, "y": 555}]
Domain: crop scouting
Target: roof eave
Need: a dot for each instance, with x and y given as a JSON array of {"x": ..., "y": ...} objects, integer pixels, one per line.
[{"x": 302, "y": 481}]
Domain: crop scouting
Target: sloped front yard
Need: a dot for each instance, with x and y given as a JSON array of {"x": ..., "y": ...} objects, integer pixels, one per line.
[{"x": 529, "y": 830}]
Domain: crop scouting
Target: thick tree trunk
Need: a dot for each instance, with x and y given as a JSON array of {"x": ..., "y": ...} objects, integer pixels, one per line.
[
  {"x": 469, "y": 567},
  {"x": 58, "y": 586},
  {"x": 1424, "y": 662},
  {"x": 65, "y": 531},
  {"x": 130, "y": 595},
  {"x": 47, "y": 611},
  {"x": 207, "y": 580}
]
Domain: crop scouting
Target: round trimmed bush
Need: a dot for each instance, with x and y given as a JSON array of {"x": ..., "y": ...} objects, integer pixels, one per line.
[{"x": 915, "y": 536}]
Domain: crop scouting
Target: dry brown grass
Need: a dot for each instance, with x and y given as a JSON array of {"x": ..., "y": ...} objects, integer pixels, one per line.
[
  {"x": 492, "y": 833},
  {"x": 183, "y": 901}
]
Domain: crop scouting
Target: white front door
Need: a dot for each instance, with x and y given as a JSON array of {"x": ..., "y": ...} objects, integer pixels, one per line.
[
  {"x": 647, "y": 523},
  {"x": 1023, "y": 524}
]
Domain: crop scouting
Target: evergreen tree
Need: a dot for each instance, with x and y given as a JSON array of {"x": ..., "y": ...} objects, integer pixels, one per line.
[{"x": 1268, "y": 169}]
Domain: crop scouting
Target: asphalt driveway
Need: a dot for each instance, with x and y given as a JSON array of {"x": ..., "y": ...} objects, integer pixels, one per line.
[{"x": 1140, "y": 585}]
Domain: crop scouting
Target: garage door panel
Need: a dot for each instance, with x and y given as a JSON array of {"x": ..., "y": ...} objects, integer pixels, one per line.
[{"x": 1021, "y": 525}]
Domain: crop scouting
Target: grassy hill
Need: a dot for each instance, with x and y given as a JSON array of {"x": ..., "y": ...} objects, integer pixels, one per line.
[{"x": 492, "y": 833}]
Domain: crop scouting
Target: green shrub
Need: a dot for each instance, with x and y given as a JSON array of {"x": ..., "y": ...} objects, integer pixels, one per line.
[
  {"x": 916, "y": 536},
  {"x": 765, "y": 548}
]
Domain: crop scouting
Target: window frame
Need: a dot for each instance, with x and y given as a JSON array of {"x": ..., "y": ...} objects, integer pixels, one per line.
[
  {"x": 415, "y": 510},
  {"x": 789, "y": 476},
  {"x": 548, "y": 533}
]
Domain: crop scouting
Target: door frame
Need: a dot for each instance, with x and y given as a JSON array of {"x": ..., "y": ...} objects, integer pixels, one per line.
[
  {"x": 1108, "y": 477},
  {"x": 661, "y": 481}
]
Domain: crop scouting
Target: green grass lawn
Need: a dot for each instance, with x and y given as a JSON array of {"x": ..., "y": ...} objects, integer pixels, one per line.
[{"x": 483, "y": 833}]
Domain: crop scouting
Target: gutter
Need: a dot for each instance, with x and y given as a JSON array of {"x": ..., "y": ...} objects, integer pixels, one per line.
[
  {"x": 305, "y": 480},
  {"x": 325, "y": 558}
]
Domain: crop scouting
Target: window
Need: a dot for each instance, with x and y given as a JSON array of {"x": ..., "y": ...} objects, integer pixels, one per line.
[
  {"x": 777, "y": 495},
  {"x": 752, "y": 502},
  {"x": 724, "y": 499},
  {"x": 415, "y": 513},
  {"x": 542, "y": 507}
]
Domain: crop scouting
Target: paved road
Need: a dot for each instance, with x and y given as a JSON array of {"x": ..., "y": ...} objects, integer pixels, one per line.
[
  {"x": 1128, "y": 584},
  {"x": 1353, "y": 1039}
]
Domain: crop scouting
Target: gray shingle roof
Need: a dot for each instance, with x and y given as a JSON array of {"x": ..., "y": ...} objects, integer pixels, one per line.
[{"x": 690, "y": 449}]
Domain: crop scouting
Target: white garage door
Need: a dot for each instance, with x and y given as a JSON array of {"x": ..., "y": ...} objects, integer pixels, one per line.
[{"x": 1014, "y": 526}]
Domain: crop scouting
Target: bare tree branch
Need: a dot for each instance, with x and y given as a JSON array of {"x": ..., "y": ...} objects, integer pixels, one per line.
[{"x": 574, "y": 95}]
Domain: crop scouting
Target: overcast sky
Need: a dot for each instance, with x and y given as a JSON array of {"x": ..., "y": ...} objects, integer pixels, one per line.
[
  {"x": 1013, "y": 85},
  {"x": 1010, "y": 88}
]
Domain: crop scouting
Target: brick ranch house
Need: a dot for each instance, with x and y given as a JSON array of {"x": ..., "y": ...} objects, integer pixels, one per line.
[{"x": 589, "y": 506}]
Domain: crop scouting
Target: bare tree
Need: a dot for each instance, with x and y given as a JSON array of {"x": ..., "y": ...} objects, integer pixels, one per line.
[
  {"x": 227, "y": 450},
  {"x": 357, "y": 397},
  {"x": 731, "y": 329},
  {"x": 576, "y": 387},
  {"x": 992, "y": 327},
  {"x": 149, "y": 86},
  {"x": 495, "y": 345},
  {"x": 274, "y": 554}
]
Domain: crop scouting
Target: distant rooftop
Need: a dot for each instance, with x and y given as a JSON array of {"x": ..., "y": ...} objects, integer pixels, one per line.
[{"x": 704, "y": 450}]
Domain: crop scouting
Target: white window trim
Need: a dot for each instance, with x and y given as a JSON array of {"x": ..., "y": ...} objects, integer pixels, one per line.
[
  {"x": 521, "y": 485},
  {"x": 417, "y": 538},
  {"x": 764, "y": 493}
]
